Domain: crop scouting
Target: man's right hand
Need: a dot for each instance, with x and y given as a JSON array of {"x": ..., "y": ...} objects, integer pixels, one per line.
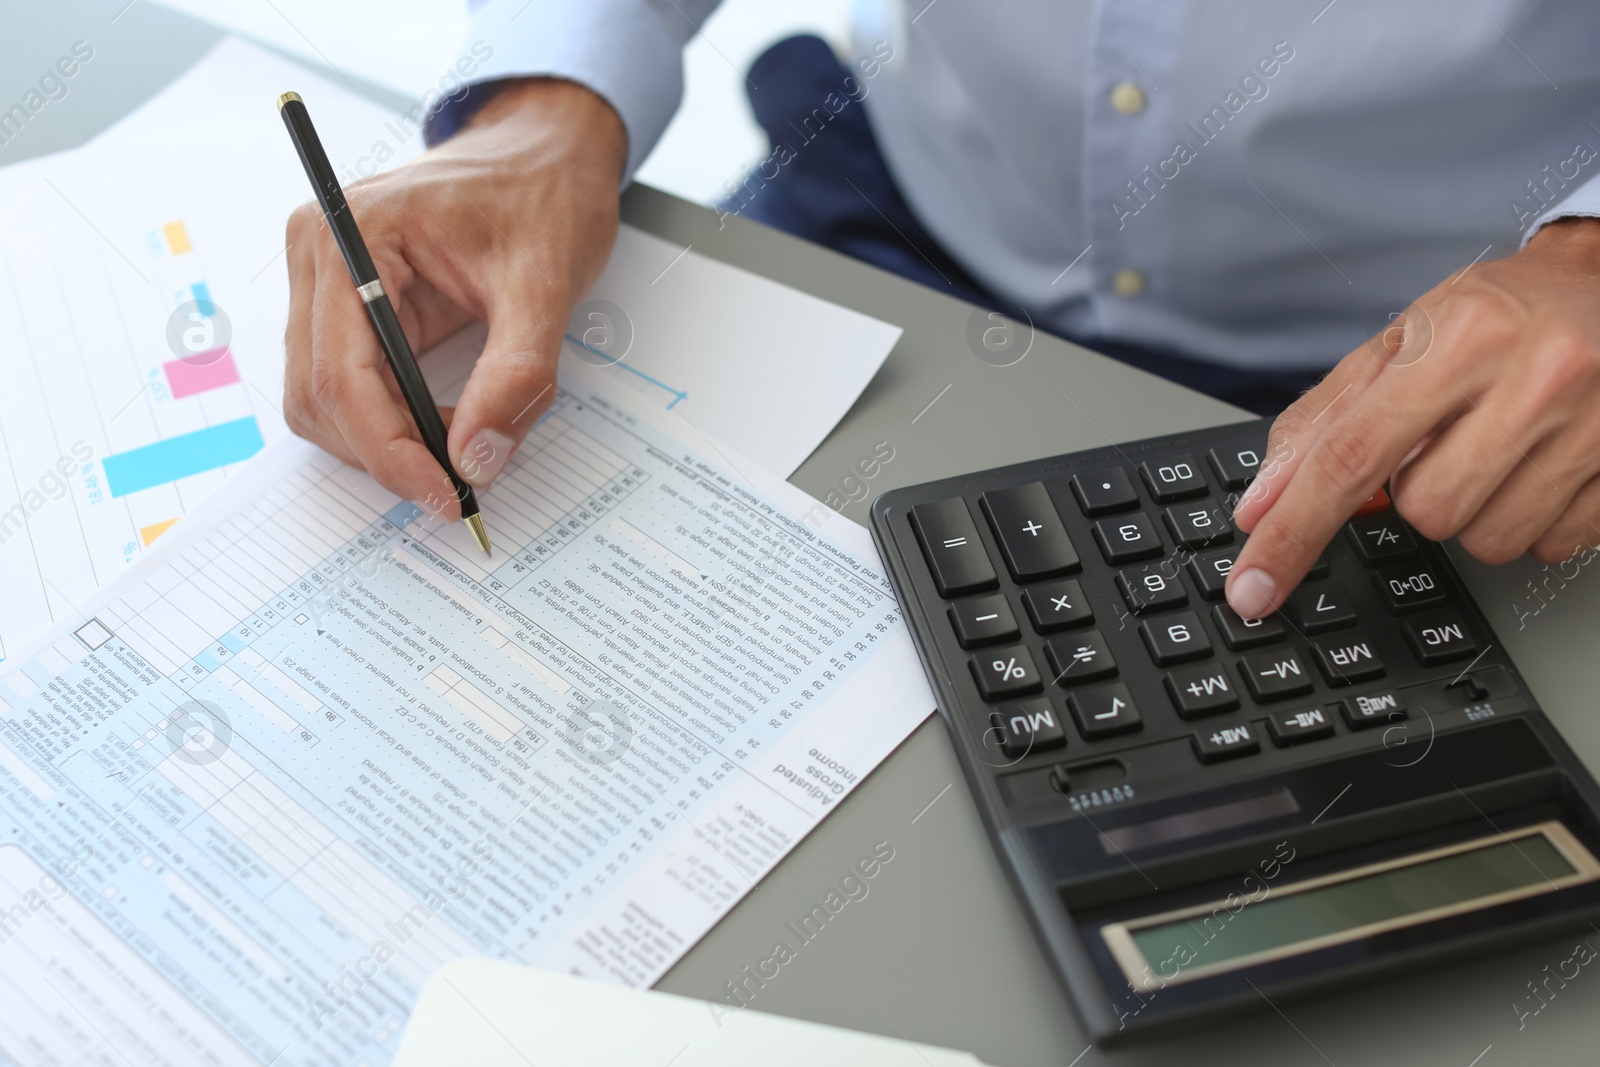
[{"x": 510, "y": 220}]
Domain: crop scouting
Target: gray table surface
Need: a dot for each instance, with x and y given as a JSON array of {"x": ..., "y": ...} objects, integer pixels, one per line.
[{"x": 938, "y": 951}]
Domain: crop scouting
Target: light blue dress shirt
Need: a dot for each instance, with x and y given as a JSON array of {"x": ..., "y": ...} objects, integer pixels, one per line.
[{"x": 1252, "y": 182}]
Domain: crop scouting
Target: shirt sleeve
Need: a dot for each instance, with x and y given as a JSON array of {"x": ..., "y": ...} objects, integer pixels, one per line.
[
  {"x": 1582, "y": 202},
  {"x": 629, "y": 52}
]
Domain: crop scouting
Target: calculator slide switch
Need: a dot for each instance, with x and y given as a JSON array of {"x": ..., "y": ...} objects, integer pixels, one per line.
[{"x": 955, "y": 553}]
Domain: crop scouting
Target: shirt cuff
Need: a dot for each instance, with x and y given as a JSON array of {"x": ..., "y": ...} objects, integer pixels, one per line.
[
  {"x": 1582, "y": 202},
  {"x": 623, "y": 50}
]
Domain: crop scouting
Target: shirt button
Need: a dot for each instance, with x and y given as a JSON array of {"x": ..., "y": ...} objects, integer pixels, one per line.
[
  {"x": 1128, "y": 283},
  {"x": 1127, "y": 98}
]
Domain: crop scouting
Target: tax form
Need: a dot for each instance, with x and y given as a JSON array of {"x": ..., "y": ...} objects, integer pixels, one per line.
[{"x": 318, "y": 746}]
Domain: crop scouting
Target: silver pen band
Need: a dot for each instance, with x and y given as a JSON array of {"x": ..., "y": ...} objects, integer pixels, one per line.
[{"x": 371, "y": 291}]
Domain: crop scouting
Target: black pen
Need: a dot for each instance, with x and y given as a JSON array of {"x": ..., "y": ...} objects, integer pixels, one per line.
[{"x": 379, "y": 310}]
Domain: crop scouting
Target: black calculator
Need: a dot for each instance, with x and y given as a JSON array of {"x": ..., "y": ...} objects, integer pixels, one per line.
[{"x": 1203, "y": 813}]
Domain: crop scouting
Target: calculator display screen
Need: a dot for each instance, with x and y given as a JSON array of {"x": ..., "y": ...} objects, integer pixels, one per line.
[{"x": 1343, "y": 907}]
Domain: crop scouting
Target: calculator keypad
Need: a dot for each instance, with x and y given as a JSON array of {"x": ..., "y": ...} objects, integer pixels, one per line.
[{"x": 1043, "y": 627}]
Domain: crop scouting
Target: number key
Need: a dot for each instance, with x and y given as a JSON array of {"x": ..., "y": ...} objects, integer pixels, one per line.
[
  {"x": 1173, "y": 478},
  {"x": 1175, "y": 638},
  {"x": 1210, "y": 572},
  {"x": 1235, "y": 465},
  {"x": 1129, "y": 538},
  {"x": 1199, "y": 525},
  {"x": 1322, "y": 606},
  {"x": 1148, "y": 589}
]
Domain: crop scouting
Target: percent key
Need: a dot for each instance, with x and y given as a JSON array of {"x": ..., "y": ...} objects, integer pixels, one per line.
[{"x": 1005, "y": 672}]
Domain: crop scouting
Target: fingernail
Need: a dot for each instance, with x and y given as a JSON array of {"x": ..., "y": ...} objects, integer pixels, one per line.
[
  {"x": 1253, "y": 593},
  {"x": 484, "y": 455}
]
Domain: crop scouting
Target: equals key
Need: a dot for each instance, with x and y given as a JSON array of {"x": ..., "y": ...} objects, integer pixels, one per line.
[{"x": 951, "y": 545}]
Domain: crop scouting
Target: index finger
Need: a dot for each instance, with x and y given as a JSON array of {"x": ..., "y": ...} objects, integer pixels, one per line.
[
  {"x": 348, "y": 384},
  {"x": 1342, "y": 467}
]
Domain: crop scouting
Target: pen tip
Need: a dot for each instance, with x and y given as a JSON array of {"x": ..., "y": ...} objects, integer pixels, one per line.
[
  {"x": 284, "y": 98},
  {"x": 479, "y": 534}
]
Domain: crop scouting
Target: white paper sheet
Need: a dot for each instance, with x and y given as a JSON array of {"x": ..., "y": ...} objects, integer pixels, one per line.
[
  {"x": 317, "y": 746},
  {"x": 104, "y": 245},
  {"x": 491, "y": 1014}
]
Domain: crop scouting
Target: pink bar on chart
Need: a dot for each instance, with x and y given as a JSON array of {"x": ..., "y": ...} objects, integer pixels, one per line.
[{"x": 200, "y": 372}]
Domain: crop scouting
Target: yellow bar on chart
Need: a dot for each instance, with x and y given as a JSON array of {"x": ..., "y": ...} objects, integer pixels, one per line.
[
  {"x": 154, "y": 530},
  {"x": 177, "y": 238}
]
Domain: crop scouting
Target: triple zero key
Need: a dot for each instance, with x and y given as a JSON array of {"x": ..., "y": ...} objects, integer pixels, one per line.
[
  {"x": 954, "y": 551},
  {"x": 1031, "y": 536}
]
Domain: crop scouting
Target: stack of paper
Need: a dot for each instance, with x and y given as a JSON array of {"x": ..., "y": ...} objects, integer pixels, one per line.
[
  {"x": 313, "y": 746},
  {"x": 142, "y": 320}
]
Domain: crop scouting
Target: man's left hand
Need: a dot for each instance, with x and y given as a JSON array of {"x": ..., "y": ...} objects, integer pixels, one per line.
[{"x": 1480, "y": 406}]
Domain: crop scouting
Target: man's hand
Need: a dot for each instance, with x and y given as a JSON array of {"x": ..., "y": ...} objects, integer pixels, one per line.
[
  {"x": 510, "y": 220},
  {"x": 1480, "y": 405}
]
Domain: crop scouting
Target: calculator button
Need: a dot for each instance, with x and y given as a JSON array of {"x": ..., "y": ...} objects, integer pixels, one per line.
[
  {"x": 1202, "y": 689},
  {"x": 1275, "y": 675},
  {"x": 1380, "y": 537},
  {"x": 1409, "y": 586},
  {"x": 1103, "y": 710},
  {"x": 1307, "y": 724},
  {"x": 1440, "y": 638},
  {"x": 1173, "y": 478},
  {"x": 1030, "y": 726},
  {"x": 956, "y": 556},
  {"x": 982, "y": 621},
  {"x": 1175, "y": 638},
  {"x": 1032, "y": 539},
  {"x": 1225, "y": 742},
  {"x": 1322, "y": 606},
  {"x": 1378, "y": 501},
  {"x": 1210, "y": 572},
  {"x": 1374, "y": 709},
  {"x": 1057, "y": 605},
  {"x": 1347, "y": 660},
  {"x": 1126, "y": 539},
  {"x": 1234, "y": 466},
  {"x": 1199, "y": 525},
  {"x": 1147, "y": 589},
  {"x": 1104, "y": 492},
  {"x": 1319, "y": 569},
  {"x": 1005, "y": 672},
  {"x": 1080, "y": 657},
  {"x": 1241, "y": 633}
]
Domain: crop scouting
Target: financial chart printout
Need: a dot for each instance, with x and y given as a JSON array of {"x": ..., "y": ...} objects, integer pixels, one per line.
[{"x": 320, "y": 745}]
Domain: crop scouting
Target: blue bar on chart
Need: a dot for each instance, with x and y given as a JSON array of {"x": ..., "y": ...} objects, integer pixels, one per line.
[{"x": 181, "y": 456}]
